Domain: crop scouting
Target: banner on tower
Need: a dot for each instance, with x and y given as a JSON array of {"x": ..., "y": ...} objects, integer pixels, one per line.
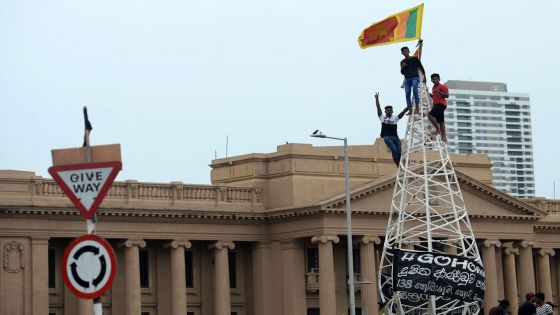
[{"x": 425, "y": 273}]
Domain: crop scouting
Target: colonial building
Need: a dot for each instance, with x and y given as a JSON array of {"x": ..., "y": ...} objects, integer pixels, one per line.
[{"x": 268, "y": 237}]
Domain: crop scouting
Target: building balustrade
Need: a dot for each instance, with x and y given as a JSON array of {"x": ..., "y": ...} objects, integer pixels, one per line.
[
  {"x": 130, "y": 190},
  {"x": 547, "y": 205}
]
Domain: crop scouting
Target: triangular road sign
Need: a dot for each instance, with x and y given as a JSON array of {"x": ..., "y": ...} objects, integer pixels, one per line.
[{"x": 86, "y": 184}]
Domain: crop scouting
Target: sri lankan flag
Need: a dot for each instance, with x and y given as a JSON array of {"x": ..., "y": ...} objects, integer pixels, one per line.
[{"x": 401, "y": 27}]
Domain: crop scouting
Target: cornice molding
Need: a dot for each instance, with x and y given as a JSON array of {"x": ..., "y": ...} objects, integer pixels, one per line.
[
  {"x": 244, "y": 217},
  {"x": 494, "y": 193},
  {"x": 139, "y": 213},
  {"x": 548, "y": 226},
  {"x": 389, "y": 181},
  {"x": 360, "y": 192}
]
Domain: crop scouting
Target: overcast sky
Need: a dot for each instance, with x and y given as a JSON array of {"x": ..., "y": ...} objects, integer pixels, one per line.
[{"x": 169, "y": 80}]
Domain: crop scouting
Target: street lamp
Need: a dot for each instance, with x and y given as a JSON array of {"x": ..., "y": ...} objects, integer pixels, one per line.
[{"x": 349, "y": 254}]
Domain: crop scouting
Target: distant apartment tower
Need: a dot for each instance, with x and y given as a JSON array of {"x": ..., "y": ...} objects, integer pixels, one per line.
[{"x": 483, "y": 117}]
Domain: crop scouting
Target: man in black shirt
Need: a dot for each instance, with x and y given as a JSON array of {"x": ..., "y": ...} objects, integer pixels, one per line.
[
  {"x": 409, "y": 68},
  {"x": 389, "y": 128},
  {"x": 527, "y": 307},
  {"x": 501, "y": 309}
]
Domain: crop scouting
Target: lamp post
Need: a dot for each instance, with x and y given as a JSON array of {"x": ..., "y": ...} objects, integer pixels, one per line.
[{"x": 349, "y": 254}]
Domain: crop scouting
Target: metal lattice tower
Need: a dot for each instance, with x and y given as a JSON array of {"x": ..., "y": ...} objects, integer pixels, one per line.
[{"x": 427, "y": 214}]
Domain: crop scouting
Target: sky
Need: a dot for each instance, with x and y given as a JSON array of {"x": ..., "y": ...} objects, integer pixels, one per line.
[{"x": 171, "y": 80}]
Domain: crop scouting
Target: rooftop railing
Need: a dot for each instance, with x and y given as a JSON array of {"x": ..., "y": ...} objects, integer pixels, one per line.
[
  {"x": 164, "y": 192},
  {"x": 550, "y": 206}
]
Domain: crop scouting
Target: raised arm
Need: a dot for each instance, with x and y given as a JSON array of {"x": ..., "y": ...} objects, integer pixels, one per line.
[
  {"x": 379, "y": 112},
  {"x": 420, "y": 44},
  {"x": 401, "y": 114}
]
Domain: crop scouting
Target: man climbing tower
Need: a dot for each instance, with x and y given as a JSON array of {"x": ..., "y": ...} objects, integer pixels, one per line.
[
  {"x": 409, "y": 68},
  {"x": 389, "y": 128},
  {"x": 439, "y": 93}
]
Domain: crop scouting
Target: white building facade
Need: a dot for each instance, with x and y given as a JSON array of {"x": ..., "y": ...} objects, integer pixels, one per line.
[{"x": 483, "y": 117}]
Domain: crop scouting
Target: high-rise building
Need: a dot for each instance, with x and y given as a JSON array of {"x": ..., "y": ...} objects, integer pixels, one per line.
[{"x": 483, "y": 117}]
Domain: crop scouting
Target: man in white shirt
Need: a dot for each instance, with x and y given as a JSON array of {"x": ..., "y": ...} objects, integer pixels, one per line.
[
  {"x": 389, "y": 128},
  {"x": 542, "y": 307}
]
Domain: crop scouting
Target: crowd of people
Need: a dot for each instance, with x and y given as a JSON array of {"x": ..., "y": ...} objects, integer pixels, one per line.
[
  {"x": 411, "y": 66},
  {"x": 534, "y": 304}
]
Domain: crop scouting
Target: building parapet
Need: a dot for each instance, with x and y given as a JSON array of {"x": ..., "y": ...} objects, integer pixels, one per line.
[
  {"x": 21, "y": 189},
  {"x": 550, "y": 206}
]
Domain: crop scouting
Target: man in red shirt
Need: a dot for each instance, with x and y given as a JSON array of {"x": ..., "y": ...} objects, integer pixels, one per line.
[{"x": 439, "y": 94}]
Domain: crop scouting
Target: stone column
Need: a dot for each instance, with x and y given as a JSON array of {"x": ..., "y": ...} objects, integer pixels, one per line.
[
  {"x": 178, "y": 290},
  {"x": 526, "y": 271},
  {"x": 222, "y": 303},
  {"x": 543, "y": 264},
  {"x": 39, "y": 255},
  {"x": 262, "y": 279},
  {"x": 510, "y": 275},
  {"x": 327, "y": 294},
  {"x": 489, "y": 262},
  {"x": 293, "y": 277},
  {"x": 367, "y": 272},
  {"x": 132, "y": 293}
]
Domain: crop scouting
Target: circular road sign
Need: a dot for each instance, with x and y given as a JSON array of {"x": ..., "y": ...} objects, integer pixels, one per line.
[{"x": 89, "y": 266}]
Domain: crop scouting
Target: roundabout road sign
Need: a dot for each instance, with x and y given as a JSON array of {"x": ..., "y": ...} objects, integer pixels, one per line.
[{"x": 89, "y": 266}]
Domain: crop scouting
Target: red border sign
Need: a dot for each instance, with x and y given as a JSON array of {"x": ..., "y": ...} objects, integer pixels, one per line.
[
  {"x": 111, "y": 265},
  {"x": 87, "y": 213}
]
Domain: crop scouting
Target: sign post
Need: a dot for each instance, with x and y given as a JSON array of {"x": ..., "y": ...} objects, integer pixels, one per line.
[{"x": 85, "y": 175}]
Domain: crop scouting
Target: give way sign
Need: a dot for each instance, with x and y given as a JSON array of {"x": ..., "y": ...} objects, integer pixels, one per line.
[
  {"x": 86, "y": 184},
  {"x": 89, "y": 266}
]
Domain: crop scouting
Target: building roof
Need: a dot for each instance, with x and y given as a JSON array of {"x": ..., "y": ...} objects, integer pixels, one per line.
[{"x": 476, "y": 86}]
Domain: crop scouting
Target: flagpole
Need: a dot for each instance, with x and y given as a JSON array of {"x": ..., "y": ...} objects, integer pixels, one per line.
[
  {"x": 419, "y": 45},
  {"x": 90, "y": 224},
  {"x": 89, "y": 159}
]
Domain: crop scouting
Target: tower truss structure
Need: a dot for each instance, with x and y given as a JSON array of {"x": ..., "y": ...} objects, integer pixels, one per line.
[{"x": 427, "y": 214}]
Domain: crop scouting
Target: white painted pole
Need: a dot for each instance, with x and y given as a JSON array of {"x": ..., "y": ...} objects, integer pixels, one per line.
[
  {"x": 90, "y": 224},
  {"x": 97, "y": 306},
  {"x": 350, "y": 251}
]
